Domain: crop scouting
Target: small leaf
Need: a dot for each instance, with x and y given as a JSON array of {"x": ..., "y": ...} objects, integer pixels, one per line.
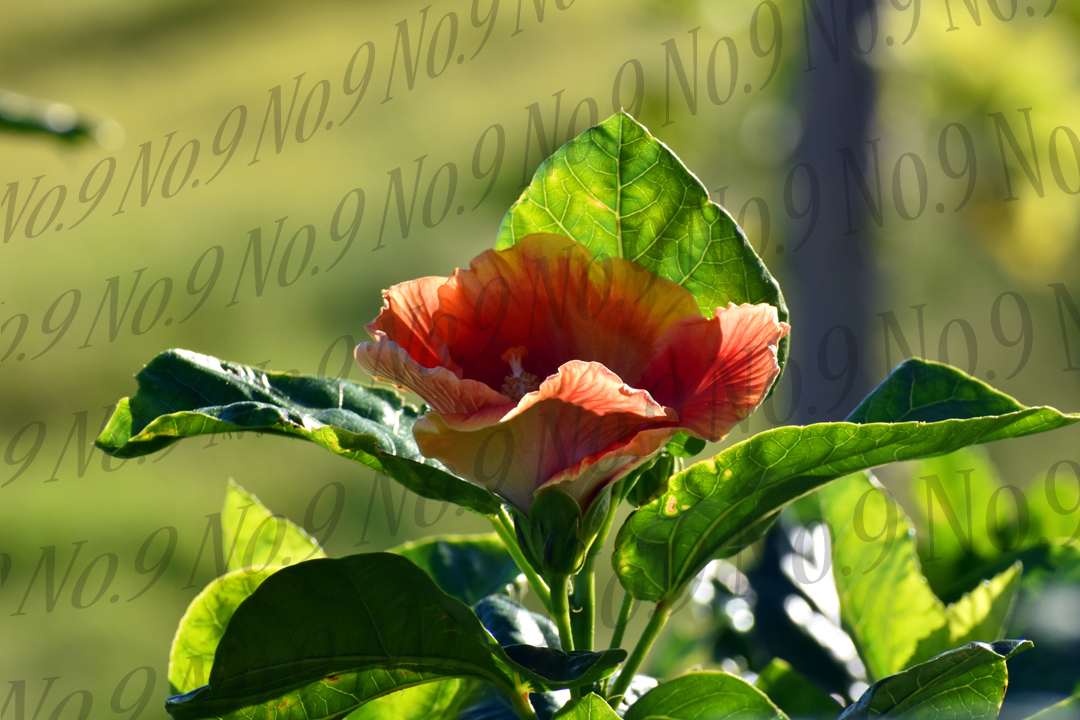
[
  {"x": 260, "y": 538},
  {"x": 713, "y": 695},
  {"x": 716, "y": 507},
  {"x": 650, "y": 479},
  {"x": 981, "y": 615},
  {"x": 684, "y": 446},
  {"x": 794, "y": 694},
  {"x": 622, "y": 193},
  {"x": 202, "y": 626},
  {"x": 590, "y": 707},
  {"x": 184, "y": 394},
  {"x": 966, "y": 683},
  {"x": 465, "y": 567}
]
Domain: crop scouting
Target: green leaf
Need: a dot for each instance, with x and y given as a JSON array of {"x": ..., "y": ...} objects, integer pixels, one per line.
[
  {"x": 622, "y": 193},
  {"x": 1067, "y": 709},
  {"x": 202, "y": 626},
  {"x": 442, "y": 700},
  {"x": 980, "y": 615},
  {"x": 590, "y": 707},
  {"x": 716, "y": 507},
  {"x": 794, "y": 694},
  {"x": 260, "y": 538},
  {"x": 966, "y": 683},
  {"x": 323, "y": 637},
  {"x": 684, "y": 446},
  {"x": 650, "y": 478},
  {"x": 886, "y": 604},
  {"x": 713, "y": 695},
  {"x": 184, "y": 394},
  {"x": 465, "y": 567}
]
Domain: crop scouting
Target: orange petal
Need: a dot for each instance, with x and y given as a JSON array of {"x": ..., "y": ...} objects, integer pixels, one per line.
[
  {"x": 408, "y": 318},
  {"x": 548, "y": 294},
  {"x": 714, "y": 372},
  {"x": 439, "y": 387},
  {"x": 579, "y": 429}
]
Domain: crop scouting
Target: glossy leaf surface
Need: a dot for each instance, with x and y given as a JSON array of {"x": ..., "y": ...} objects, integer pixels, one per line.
[
  {"x": 184, "y": 394},
  {"x": 713, "y": 695},
  {"x": 716, "y": 507}
]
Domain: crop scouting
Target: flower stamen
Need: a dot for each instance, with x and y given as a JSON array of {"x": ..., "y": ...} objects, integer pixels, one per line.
[{"x": 519, "y": 383}]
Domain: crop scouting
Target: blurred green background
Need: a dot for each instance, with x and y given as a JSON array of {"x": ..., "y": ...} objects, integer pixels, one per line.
[{"x": 136, "y": 72}]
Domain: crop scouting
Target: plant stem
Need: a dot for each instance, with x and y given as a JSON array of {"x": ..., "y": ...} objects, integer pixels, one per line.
[
  {"x": 504, "y": 526},
  {"x": 624, "y": 618},
  {"x": 584, "y": 618},
  {"x": 656, "y": 623},
  {"x": 522, "y": 705},
  {"x": 560, "y": 611}
]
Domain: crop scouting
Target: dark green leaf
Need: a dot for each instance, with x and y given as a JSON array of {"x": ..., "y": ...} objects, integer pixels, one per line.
[
  {"x": 465, "y": 567},
  {"x": 259, "y": 538},
  {"x": 650, "y": 478},
  {"x": 713, "y": 695},
  {"x": 184, "y": 394},
  {"x": 622, "y": 193},
  {"x": 718, "y": 506},
  {"x": 966, "y": 684},
  {"x": 590, "y": 707},
  {"x": 325, "y": 636},
  {"x": 794, "y": 694}
]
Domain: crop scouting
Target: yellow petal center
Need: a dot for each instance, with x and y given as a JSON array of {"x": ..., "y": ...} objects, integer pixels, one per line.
[{"x": 519, "y": 383}]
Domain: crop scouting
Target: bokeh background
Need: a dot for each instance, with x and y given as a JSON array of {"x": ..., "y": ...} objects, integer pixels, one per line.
[{"x": 969, "y": 248}]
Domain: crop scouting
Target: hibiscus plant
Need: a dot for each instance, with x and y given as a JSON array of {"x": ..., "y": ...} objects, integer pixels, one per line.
[{"x": 621, "y": 321}]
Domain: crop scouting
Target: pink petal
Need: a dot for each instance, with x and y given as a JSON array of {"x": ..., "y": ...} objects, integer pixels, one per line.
[
  {"x": 714, "y": 372},
  {"x": 439, "y": 387},
  {"x": 583, "y": 422},
  {"x": 409, "y": 317}
]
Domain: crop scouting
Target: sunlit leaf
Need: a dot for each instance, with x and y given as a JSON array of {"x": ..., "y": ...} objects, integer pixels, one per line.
[
  {"x": 622, "y": 193},
  {"x": 257, "y": 537},
  {"x": 590, "y": 707},
  {"x": 716, "y": 507},
  {"x": 713, "y": 695}
]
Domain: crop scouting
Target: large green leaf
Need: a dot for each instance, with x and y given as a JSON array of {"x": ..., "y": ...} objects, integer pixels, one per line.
[
  {"x": 590, "y": 707},
  {"x": 622, "y": 193},
  {"x": 713, "y": 695},
  {"x": 885, "y": 602},
  {"x": 260, "y": 538},
  {"x": 184, "y": 394},
  {"x": 716, "y": 507},
  {"x": 319, "y": 639},
  {"x": 794, "y": 694},
  {"x": 465, "y": 567},
  {"x": 203, "y": 625},
  {"x": 966, "y": 684}
]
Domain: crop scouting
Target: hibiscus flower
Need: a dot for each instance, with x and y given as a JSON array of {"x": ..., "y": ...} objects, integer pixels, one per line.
[{"x": 544, "y": 366}]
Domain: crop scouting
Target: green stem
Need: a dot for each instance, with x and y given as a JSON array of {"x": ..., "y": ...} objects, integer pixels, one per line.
[
  {"x": 584, "y": 617},
  {"x": 624, "y": 618},
  {"x": 522, "y": 705},
  {"x": 504, "y": 526},
  {"x": 560, "y": 611},
  {"x": 656, "y": 623}
]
